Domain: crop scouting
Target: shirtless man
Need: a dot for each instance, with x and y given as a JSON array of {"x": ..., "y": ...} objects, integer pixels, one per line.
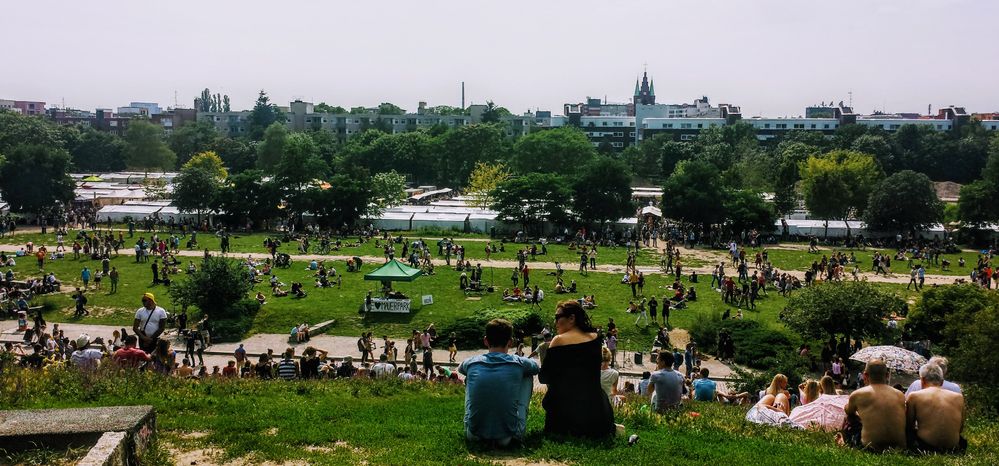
[
  {"x": 934, "y": 415},
  {"x": 880, "y": 409}
]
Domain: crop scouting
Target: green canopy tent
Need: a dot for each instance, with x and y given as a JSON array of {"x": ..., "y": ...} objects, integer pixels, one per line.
[{"x": 393, "y": 271}]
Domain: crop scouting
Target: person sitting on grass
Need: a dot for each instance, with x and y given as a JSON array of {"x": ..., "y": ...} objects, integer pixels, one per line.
[
  {"x": 876, "y": 413},
  {"x": 277, "y": 291},
  {"x": 261, "y": 298},
  {"x": 498, "y": 388},
  {"x": 298, "y": 290},
  {"x": 665, "y": 384},
  {"x": 935, "y": 415}
]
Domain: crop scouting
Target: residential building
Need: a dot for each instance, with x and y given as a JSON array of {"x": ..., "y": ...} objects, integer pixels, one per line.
[
  {"x": 9, "y": 106},
  {"x": 147, "y": 109},
  {"x": 29, "y": 107}
]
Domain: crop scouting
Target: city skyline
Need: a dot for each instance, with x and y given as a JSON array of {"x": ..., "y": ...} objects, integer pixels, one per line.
[{"x": 772, "y": 58}]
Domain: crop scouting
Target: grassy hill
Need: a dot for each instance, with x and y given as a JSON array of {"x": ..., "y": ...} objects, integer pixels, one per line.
[{"x": 389, "y": 422}]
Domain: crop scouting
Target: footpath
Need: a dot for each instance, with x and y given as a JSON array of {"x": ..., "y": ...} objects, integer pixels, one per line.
[{"x": 339, "y": 347}]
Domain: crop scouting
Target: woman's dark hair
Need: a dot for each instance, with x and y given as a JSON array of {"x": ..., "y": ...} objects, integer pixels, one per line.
[{"x": 573, "y": 308}]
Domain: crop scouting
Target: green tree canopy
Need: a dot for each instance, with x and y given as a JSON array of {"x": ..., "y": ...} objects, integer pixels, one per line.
[
  {"x": 34, "y": 178},
  {"x": 694, "y": 193},
  {"x": 245, "y": 197},
  {"x": 270, "y": 151},
  {"x": 602, "y": 192},
  {"x": 388, "y": 108},
  {"x": 17, "y": 130},
  {"x": 838, "y": 184},
  {"x": 323, "y": 107},
  {"x": 532, "y": 199},
  {"x": 145, "y": 148},
  {"x": 192, "y": 137},
  {"x": 850, "y": 309},
  {"x": 388, "y": 189},
  {"x": 746, "y": 211},
  {"x": 263, "y": 115},
  {"x": 460, "y": 149},
  {"x": 903, "y": 202},
  {"x": 97, "y": 151},
  {"x": 559, "y": 150}
]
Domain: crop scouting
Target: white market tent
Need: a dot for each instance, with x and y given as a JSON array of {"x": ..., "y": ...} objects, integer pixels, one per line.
[
  {"x": 837, "y": 228},
  {"x": 439, "y": 220},
  {"x": 393, "y": 221}
]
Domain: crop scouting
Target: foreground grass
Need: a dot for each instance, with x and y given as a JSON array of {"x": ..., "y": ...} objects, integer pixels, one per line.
[{"x": 389, "y": 422}]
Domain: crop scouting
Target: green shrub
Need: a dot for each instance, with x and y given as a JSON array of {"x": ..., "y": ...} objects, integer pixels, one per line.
[
  {"x": 754, "y": 342},
  {"x": 238, "y": 321},
  {"x": 470, "y": 330}
]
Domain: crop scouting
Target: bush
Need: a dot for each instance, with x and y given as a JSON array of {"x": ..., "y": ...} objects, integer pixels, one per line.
[
  {"x": 238, "y": 321},
  {"x": 215, "y": 289},
  {"x": 470, "y": 330},
  {"x": 755, "y": 344}
]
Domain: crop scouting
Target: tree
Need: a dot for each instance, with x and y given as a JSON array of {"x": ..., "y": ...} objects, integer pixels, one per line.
[
  {"x": 785, "y": 176},
  {"x": 199, "y": 182},
  {"x": 838, "y": 184},
  {"x": 323, "y": 107},
  {"x": 937, "y": 307},
  {"x": 246, "y": 198},
  {"x": 197, "y": 186},
  {"x": 850, "y": 309},
  {"x": 237, "y": 155},
  {"x": 559, "y": 150},
  {"x": 191, "y": 138},
  {"x": 877, "y": 146},
  {"x": 346, "y": 201},
  {"x": 34, "y": 178},
  {"x": 208, "y": 102},
  {"x": 387, "y": 108},
  {"x": 271, "y": 149},
  {"x": 460, "y": 149},
  {"x": 97, "y": 151},
  {"x": 145, "y": 149},
  {"x": 602, "y": 192},
  {"x": 532, "y": 199},
  {"x": 493, "y": 113},
  {"x": 483, "y": 181},
  {"x": 903, "y": 202},
  {"x": 388, "y": 189},
  {"x": 746, "y": 211},
  {"x": 694, "y": 193},
  {"x": 214, "y": 288},
  {"x": 16, "y": 130},
  {"x": 976, "y": 204},
  {"x": 263, "y": 115}
]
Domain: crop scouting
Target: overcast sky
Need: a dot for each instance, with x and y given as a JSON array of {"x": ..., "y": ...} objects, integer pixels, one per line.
[{"x": 771, "y": 57}]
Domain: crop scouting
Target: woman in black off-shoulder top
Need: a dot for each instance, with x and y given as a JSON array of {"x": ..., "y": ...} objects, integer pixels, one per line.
[{"x": 575, "y": 404}]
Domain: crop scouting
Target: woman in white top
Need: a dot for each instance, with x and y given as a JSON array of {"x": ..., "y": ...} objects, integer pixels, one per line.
[{"x": 608, "y": 376}]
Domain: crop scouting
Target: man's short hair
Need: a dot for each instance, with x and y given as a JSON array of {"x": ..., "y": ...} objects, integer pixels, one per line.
[
  {"x": 941, "y": 362},
  {"x": 666, "y": 358},
  {"x": 131, "y": 340},
  {"x": 499, "y": 332},
  {"x": 383, "y": 357},
  {"x": 931, "y": 374},
  {"x": 704, "y": 372},
  {"x": 877, "y": 371}
]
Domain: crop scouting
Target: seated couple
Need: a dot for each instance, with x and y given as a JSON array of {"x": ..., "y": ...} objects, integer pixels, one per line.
[
  {"x": 499, "y": 385},
  {"x": 929, "y": 420}
]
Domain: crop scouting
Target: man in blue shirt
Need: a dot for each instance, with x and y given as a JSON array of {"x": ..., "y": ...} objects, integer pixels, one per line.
[
  {"x": 498, "y": 388},
  {"x": 704, "y": 388}
]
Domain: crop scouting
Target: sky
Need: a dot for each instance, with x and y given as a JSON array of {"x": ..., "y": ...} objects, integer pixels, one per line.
[{"x": 771, "y": 57}]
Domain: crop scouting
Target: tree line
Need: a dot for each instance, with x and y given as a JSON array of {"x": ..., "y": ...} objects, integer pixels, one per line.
[{"x": 554, "y": 175}]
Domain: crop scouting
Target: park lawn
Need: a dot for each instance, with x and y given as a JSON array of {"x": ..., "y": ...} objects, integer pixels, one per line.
[
  {"x": 280, "y": 314},
  {"x": 391, "y": 422},
  {"x": 253, "y": 243},
  {"x": 801, "y": 259}
]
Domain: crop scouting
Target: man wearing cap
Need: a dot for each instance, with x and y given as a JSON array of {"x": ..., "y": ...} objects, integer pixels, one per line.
[
  {"x": 85, "y": 357},
  {"x": 149, "y": 323}
]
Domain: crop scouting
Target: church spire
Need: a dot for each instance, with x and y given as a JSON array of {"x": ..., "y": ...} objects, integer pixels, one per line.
[{"x": 636, "y": 86}]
